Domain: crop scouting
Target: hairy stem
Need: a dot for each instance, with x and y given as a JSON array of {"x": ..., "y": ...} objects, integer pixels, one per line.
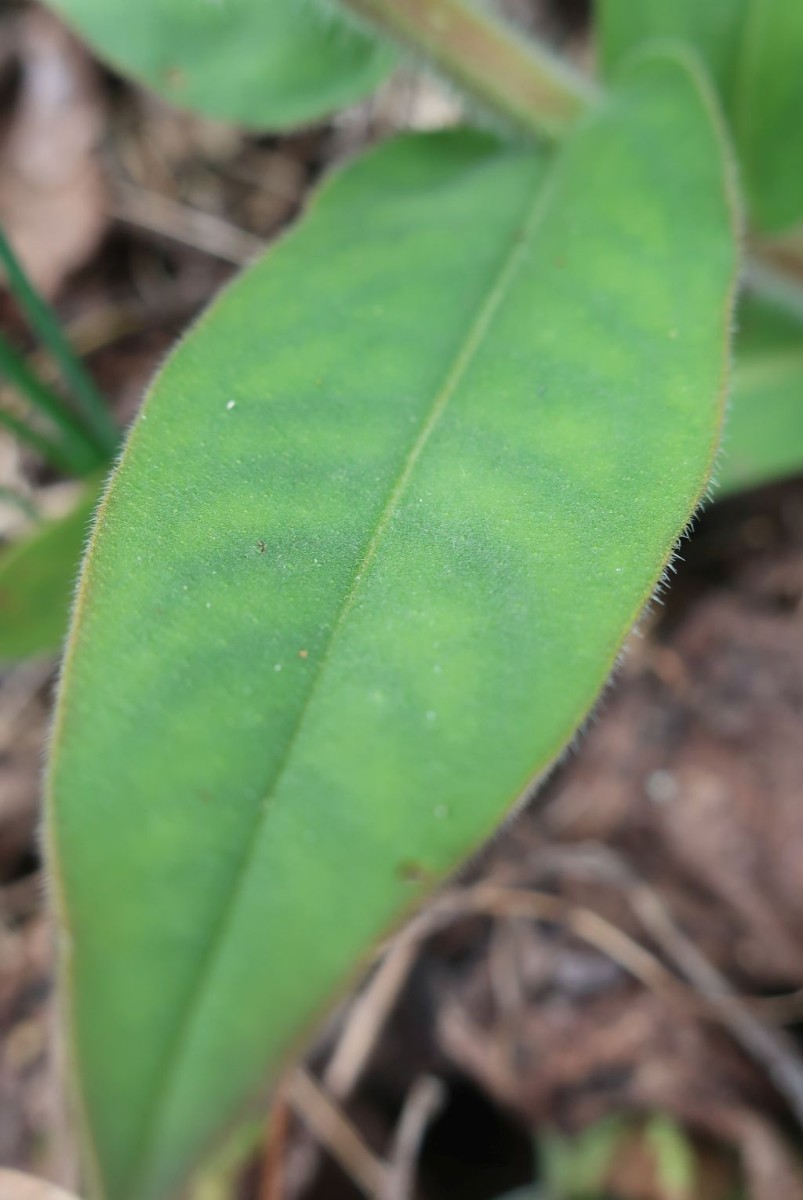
[{"x": 482, "y": 54}]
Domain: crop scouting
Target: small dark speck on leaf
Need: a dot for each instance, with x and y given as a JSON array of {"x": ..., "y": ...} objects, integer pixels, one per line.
[
  {"x": 261, "y": 547},
  {"x": 413, "y": 872}
]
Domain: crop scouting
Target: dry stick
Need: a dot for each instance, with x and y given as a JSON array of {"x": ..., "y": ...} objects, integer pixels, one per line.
[
  {"x": 364, "y": 1022},
  {"x": 367, "y": 1016},
  {"x": 371, "y": 1009},
  {"x": 271, "y": 1184},
  {"x": 424, "y": 1101},
  {"x": 373, "y": 1006},
  {"x": 770, "y": 1048},
  {"x": 202, "y": 231},
  {"x": 338, "y": 1135}
]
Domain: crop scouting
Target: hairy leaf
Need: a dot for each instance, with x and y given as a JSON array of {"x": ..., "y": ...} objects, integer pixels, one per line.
[
  {"x": 764, "y": 434},
  {"x": 266, "y": 64},
  {"x": 373, "y": 548},
  {"x": 754, "y": 49},
  {"x": 37, "y": 581}
]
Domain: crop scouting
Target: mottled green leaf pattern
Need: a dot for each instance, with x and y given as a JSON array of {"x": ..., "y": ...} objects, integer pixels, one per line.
[{"x": 373, "y": 548}]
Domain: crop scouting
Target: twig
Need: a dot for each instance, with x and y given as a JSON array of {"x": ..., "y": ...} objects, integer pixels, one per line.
[
  {"x": 271, "y": 1184},
  {"x": 338, "y": 1135},
  {"x": 367, "y": 1016},
  {"x": 424, "y": 1101},
  {"x": 202, "y": 231},
  {"x": 770, "y": 1048}
]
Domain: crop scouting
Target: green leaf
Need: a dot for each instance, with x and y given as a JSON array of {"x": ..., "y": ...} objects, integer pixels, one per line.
[
  {"x": 576, "y": 1167},
  {"x": 372, "y": 551},
  {"x": 265, "y": 64},
  {"x": 754, "y": 49},
  {"x": 764, "y": 433},
  {"x": 37, "y": 582}
]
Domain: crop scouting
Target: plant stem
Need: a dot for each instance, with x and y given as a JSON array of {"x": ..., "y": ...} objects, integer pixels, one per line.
[
  {"x": 46, "y": 324},
  {"x": 517, "y": 78}
]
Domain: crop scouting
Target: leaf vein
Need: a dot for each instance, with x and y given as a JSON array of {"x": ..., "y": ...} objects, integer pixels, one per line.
[{"x": 466, "y": 353}]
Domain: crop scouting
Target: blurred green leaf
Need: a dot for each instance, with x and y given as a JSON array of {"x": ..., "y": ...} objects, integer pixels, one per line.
[
  {"x": 764, "y": 433},
  {"x": 37, "y": 581},
  {"x": 576, "y": 1167},
  {"x": 265, "y": 64},
  {"x": 754, "y": 49},
  {"x": 375, "y": 543},
  {"x": 675, "y": 1160}
]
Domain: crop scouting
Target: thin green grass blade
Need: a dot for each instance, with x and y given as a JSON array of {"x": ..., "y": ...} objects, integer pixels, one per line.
[
  {"x": 99, "y": 422},
  {"x": 372, "y": 550},
  {"x": 76, "y": 446}
]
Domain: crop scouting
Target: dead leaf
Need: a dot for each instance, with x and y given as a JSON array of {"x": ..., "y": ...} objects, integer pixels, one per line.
[
  {"x": 16, "y": 1186},
  {"x": 52, "y": 196}
]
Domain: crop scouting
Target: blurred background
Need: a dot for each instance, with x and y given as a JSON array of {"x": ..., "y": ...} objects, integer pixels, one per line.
[{"x": 609, "y": 1002}]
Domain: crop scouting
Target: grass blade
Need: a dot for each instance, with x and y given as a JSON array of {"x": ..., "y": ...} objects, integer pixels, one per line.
[
  {"x": 45, "y": 323},
  {"x": 76, "y": 446}
]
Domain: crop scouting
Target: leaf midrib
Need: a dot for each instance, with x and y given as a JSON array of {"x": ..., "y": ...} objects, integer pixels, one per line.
[{"x": 466, "y": 352}]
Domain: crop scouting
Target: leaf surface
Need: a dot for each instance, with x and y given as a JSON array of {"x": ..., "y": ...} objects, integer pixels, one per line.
[
  {"x": 37, "y": 582},
  {"x": 265, "y": 64},
  {"x": 764, "y": 432},
  {"x": 754, "y": 50},
  {"x": 375, "y": 543}
]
